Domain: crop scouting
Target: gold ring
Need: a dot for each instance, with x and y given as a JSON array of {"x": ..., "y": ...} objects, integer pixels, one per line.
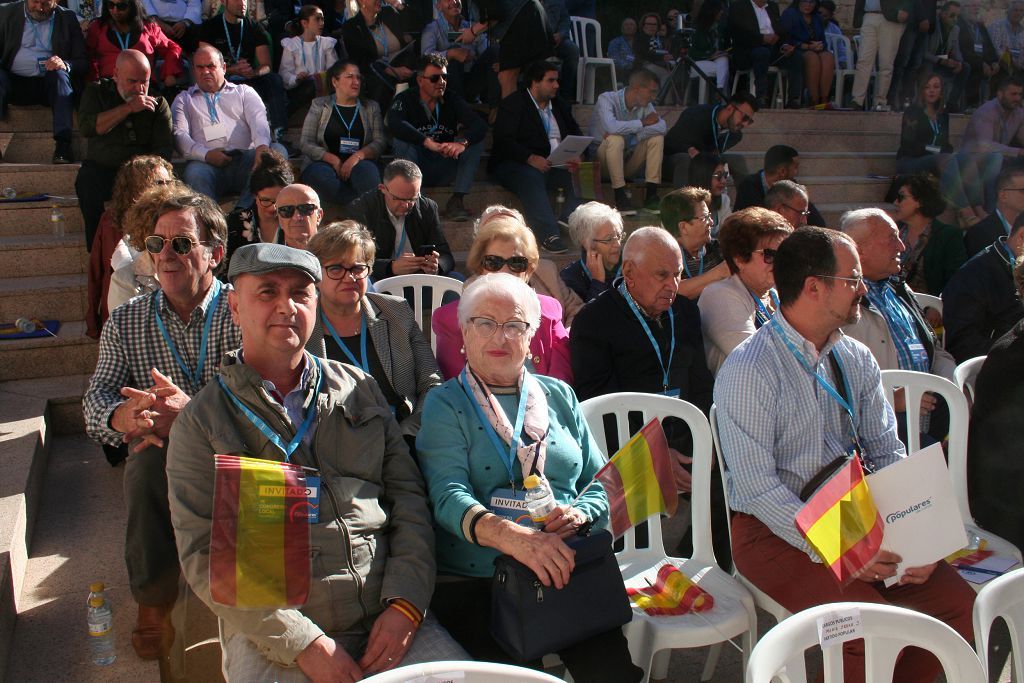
[{"x": 877, "y": 577}]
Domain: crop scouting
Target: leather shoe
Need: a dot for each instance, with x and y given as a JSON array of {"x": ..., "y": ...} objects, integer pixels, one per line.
[
  {"x": 63, "y": 154},
  {"x": 153, "y": 632}
]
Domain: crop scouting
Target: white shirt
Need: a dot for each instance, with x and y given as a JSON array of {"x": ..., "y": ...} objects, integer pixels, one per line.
[
  {"x": 239, "y": 110},
  {"x": 547, "y": 117},
  {"x": 764, "y": 22},
  {"x": 399, "y": 224}
]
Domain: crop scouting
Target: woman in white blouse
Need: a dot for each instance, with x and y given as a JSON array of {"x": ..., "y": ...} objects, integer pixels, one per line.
[{"x": 306, "y": 57}]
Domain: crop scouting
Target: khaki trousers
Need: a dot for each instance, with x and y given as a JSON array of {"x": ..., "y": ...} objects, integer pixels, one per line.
[
  {"x": 616, "y": 165},
  {"x": 878, "y": 37}
]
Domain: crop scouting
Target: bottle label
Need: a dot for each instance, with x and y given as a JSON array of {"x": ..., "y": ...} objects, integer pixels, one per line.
[{"x": 100, "y": 628}]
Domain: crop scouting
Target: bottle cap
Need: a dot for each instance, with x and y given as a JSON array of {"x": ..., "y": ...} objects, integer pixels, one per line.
[
  {"x": 532, "y": 481},
  {"x": 97, "y": 601},
  {"x": 96, "y": 587}
]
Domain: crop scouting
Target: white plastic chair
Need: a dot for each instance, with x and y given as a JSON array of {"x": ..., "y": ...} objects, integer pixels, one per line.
[
  {"x": 1001, "y": 598},
  {"x": 702, "y": 87},
  {"x": 778, "y": 90},
  {"x": 733, "y": 613},
  {"x": 421, "y": 310},
  {"x": 833, "y": 41},
  {"x": 914, "y": 385},
  {"x": 932, "y": 301},
  {"x": 582, "y": 28},
  {"x": 887, "y": 630},
  {"x": 966, "y": 374},
  {"x": 463, "y": 672}
]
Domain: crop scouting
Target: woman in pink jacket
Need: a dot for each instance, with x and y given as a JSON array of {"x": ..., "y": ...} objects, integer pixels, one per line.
[{"x": 121, "y": 26}]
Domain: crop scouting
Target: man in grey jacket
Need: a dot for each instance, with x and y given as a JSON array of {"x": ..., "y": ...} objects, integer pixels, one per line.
[{"x": 373, "y": 561}]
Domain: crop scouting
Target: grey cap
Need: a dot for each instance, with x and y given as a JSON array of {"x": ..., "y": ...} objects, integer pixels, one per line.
[{"x": 265, "y": 257}]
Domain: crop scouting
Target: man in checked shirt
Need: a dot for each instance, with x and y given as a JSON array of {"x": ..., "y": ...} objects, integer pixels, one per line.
[{"x": 156, "y": 351}]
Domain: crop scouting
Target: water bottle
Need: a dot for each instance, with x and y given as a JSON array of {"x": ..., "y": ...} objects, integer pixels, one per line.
[
  {"x": 25, "y": 325},
  {"x": 779, "y": 104},
  {"x": 57, "y": 221},
  {"x": 101, "y": 627},
  {"x": 560, "y": 202},
  {"x": 10, "y": 193},
  {"x": 539, "y": 499}
]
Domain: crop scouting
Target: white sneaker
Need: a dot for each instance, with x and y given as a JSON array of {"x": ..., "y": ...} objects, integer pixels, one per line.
[{"x": 882, "y": 107}]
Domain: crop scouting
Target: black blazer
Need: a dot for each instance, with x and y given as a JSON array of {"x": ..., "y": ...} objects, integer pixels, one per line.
[
  {"x": 422, "y": 226},
  {"x": 361, "y": 46},
  {"x": 519, "y": 131},
  {"x": 988, "y": 51},
  {"x": 743, "y": 28},
  {"x": 68, "y": 43},
  {"x": 750, "y": 192},
  {"x": 983, "y": 233},
  {"x": 694, "y": 129},
  {"x": 917, "y": 133}
]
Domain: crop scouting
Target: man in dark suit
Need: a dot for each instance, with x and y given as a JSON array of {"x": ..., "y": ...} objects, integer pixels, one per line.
[
  {"x": 758, "y": 44},
  {"x": 42, "y": 57},
  {"x": 710, "y": 129},
  {"x": 781, "y": 162},
  {"x": 1009, "y": 205},
  {"x": 402, "y": 222},
  {"x": 530, "y": 124},
  {"x": 977, "y": 49}
]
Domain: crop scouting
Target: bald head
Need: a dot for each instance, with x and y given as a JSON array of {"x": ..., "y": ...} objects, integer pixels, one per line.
[
  {"x": 644, "y": 242},
  {"x": 131, "y": 74},
  {"x": 297, "y": 193},
  {"x": 294, "y": 200}
]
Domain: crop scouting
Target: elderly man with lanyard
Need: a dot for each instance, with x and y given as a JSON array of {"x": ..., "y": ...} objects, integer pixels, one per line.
[
  {"x": 709, "y": 129},
  {"x": 157, "y": 351},
  {"x": 796, "y": 399}
]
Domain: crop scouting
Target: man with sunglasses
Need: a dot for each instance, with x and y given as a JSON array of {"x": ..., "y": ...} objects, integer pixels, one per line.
[
  {"x": 299, "y": 214},
  {"x": 709, "y": 129},
  {"x": 438, "y": 132},
  {"x": 121, "y": 120},
  {"x": 403, "y": 222},
  {"x": 156, "y": 352}
]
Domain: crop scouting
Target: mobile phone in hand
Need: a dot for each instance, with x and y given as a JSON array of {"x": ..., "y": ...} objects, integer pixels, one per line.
[{"x": 425, "y": 249}]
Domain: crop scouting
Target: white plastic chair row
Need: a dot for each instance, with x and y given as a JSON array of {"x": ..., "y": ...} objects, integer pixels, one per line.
[
  {"x": 778, "y": 91},
  {"x": 835, "y": 41},
  {"x": 463, "y": 672},
  {"x": 966, "y": 374},
  {"x": 439, "y": 286},
  {"x": 586, "y": 33}
]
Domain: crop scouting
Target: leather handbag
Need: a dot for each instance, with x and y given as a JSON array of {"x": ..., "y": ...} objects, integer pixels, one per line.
[{"x": 530, "y": 620}]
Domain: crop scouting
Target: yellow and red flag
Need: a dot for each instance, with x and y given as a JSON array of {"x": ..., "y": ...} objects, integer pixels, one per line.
[
  {"x": 639, "y": 479},
  {"x": 259, "y": 540},
  {"x": 841, "y": 523},
  {"x": 672, "y": 594}
]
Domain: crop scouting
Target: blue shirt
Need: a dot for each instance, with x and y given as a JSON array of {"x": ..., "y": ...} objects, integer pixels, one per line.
[
  {"x": 778, "y": 426},
  {"x": 36, "y": 44}
]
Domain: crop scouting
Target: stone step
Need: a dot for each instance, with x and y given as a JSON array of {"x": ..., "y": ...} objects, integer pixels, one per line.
[
  {"x": 60, "y": 297},
  {"x": 828, "y": 163},
  {"x": 58, "y": 180},
  {"x": 826, "y": 189},
  {"x": 25, "y": 147},
  {"x": 29, "y": 118},
  {"x": 33, "y": 218},
  {"x": 29, "y": 255},
  {"x": 757, "y": 138},
  {"x": 71, "y": 352}
]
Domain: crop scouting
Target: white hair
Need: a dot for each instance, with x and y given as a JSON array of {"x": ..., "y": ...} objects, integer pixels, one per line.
[
  {"x": 642, "y": 239},
  {"x": 503, "y": 287},
  {"x": 587, "y": 218},
  {"x": 853, "y": 223}
]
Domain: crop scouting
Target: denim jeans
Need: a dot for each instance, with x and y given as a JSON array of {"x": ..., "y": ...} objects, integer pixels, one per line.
[
  {"x": 333, "y": 190},
  {"x": 232, "y": 179},
  {"x": 54, "y": 89},
  {"x": 439, "y": 170},
  {"x": 531, "y": 186}
]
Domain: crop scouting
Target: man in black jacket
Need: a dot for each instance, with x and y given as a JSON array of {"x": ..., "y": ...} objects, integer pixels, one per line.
[
  {"x": 708, "y": 129},
  {"x": 757, "y": 44},
  {"x": 438, "y": 132},
  {"x": 1009, "y": 205},
  {"x": 402, "y": 222},
  {"x": 781, "y": 162},
  {"x": 530, "y": 125},
  {"x": 42, "y": 58},
  {"x": 977, "y": 50}
]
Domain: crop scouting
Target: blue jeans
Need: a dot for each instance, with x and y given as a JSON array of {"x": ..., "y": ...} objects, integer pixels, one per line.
[
  {"x": 331, "y": 189},
  {"x": 54, "y": 89},
  {"x": 232, "y": 179},
  {"x": 439, "y": 170},
  {"x": 531, "y": 186}
]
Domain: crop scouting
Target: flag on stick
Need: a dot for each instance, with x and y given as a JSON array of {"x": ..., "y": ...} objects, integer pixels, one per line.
[
  {"x": 639, "y": 479},
  {"x": 259, "y": 541},
  {"x": 841, "y": 523},
  {"x": 672, "y": 594}
]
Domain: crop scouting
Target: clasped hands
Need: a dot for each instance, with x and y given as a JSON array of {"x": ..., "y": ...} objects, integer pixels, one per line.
[
  {"x": 145, "y": 418},
  {"x": 326, "y": 661}
]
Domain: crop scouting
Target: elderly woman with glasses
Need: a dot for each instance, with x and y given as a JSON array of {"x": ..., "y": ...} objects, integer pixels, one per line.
[
  {"x": 505, "y": 244},
  {"x": 598, "y": 229},
  {"x": 483, "y": 433},
  {"x": 377, "y": 333},
  {"x": 733, "y": 309}
]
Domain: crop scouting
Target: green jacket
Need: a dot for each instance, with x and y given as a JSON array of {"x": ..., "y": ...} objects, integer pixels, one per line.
[{"x": 374, "y": 540}]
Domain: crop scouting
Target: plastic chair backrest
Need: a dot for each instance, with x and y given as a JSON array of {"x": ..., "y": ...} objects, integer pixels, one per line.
[
  {"x": 421, "y": 310},
  {"x": 887, "y": 630},
  {"x": 928, "y": 301},
  {"x": 582, "y": 28},
  {"x": 620, "y": 405},
  {"x": 1001, "y": 598},
  {"x": 464, "y": 672},
  {"x": 966, "y": 374},
  {"x": 833, "y": 41}
]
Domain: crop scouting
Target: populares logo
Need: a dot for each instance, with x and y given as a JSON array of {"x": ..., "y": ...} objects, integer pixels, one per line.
[{"x": 916, "y": 507}]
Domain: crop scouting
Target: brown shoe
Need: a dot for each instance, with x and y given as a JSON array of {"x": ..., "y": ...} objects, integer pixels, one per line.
[
  {"x": 153, "y": 632},
  {"x": 455, "y": 210}
]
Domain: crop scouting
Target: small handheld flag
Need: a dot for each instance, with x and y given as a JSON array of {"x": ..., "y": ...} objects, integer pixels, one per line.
[{"x": 672, "y": 594}]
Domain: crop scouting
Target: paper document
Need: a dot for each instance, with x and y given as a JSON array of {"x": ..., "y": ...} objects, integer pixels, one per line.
[
  {"x": 571, "y": 147},
  {"x": 987, "y": 569},
  {"x": 915, "y": 499}
]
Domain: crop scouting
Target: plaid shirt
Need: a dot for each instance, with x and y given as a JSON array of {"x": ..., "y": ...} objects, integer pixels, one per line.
[
  {"x": 131, "y": 344},
  {"x": 901, "y": 326}
]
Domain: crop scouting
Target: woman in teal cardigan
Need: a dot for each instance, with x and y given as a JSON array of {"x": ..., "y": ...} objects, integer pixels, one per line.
[{"x": 933, "y": 250}]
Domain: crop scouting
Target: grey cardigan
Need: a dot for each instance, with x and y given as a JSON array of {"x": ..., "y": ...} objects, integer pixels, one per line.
[{"x": 312, "y": 142}]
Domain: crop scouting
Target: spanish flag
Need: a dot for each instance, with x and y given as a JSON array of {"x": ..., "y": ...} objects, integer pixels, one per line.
[
  {"x": 259, "y": 541},
  {"x": 841, "y": 523},
  {"x": 672, "y": 594},
  {"x": 639, "y": 480}
]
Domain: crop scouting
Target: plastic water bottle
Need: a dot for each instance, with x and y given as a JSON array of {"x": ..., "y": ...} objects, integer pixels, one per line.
[
  {"x": 57, "y": 221},
  {"x": 101, "y": 627},
  {"x": 25, "y": 325},
  {"x": 540, "y": 501},
  {"x": 560, "y": 202},
  {"x": 10, "y": 193}
]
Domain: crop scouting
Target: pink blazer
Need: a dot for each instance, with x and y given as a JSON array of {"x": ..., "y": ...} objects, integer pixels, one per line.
[{"x": 549, "y": 349}]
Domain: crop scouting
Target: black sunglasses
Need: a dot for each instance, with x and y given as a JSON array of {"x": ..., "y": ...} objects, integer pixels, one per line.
[
  {"x": 517, "y": 264},
  {"x": 437, "y": 77},
  {"x": 182, "y": 245},
  {"x": 119, "y": 5},
  {"x": 305, "y": 210}
]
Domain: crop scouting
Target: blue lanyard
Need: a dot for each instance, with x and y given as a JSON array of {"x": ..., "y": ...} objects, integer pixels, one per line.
[
  {"x": 348, "y": 124},
  {"x": 762, "y": 314},
  {"x": 764, "y": 182},
  {"x": 437, "y": 117},
  {"x": 316, "y": 54},
  {"x": 700, "y": 267},
  {"x": 32, "y": 24},
  {"x": 1006, "y": 224},
  {"x": 381, "y": 37},
  {"x": 125, "y": 40},
  {"x": 719, "y": 145},
  {"x": 934, "y": 123},
  {"x": 235, "y": 54},
  {"x": 583, "y": 265},
  {"x": 401, "y": 244},
  {"x": 507, "y": 455},
  {"x": 265, "y": 429},
  {"x": 197, "y": 376},
  {"x": 1009, "y": 252},
  {"x": 211, "y": 105},
  {"x": 665, "y": 368},
  {"x": 363, "y": 362},
  {"x": 897, "y": 318}
]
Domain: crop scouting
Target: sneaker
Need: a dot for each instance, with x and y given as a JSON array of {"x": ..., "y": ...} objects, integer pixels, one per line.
[
  {"x": 882, "y": 107},
  {"x": 454, "y": 210},
  {"x": 653, "y": 205},
  {"x": 63, "y": 154},
  {"x": 554, "y": 245},
  {"x": 623, "y": 202}
]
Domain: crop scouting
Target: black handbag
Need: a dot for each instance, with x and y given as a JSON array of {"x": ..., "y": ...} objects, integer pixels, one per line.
[{"x": 530, "y": 620}]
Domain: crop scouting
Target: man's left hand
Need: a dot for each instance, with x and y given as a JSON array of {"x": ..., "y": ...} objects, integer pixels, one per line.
[
  {"x": 55, "y": 63},
  {"x": 430, "y": 263},
  {"x": 390, "y": 638},
  {"x": 684, "y": 481},
  {"x": 168, "y": 401}
]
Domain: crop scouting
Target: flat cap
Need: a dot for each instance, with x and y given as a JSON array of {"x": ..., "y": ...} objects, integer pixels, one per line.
[{"x": 265, "y": 257}]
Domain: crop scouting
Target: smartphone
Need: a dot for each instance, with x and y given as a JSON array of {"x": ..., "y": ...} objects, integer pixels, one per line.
[
  {"x": 425, "y": 249},
  {"x": 233, "y": 152}
]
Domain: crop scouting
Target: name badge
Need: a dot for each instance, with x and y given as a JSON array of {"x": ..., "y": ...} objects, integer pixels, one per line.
[
  {"x": 512, "y": 506},
  {"x": 932, "y": 149},
  {"x": 671, "y": 393},
  {"x": 453, "y": 37},
  {"x": 919, "y": 353},
  {"x": 41, "y": 65},
  {"x": 979, "y": 48},
  {"x": 215, "y": 131},
  {"x": 313, "y": 499},
  {"x": 348, "y": 145}
]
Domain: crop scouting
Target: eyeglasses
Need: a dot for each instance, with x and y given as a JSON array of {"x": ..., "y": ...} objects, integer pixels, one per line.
[
  {"x": 336, "y": 271},
  {"x": 266, "y": 202},
  {"x": 721, "y": 175},
  {"x": 616, "y": 237},
  {"x": 517, "y": 264},
  {"x": 902, "y": 197},
  {"x": 706, "y": 218},
  {"x": 437, "y": 77},
  {"x": 119, "y": 5},
  {"x": 1013, "y": 189},
  {"x": 305, "y": 210},
  {"x": 767, "y": 254},
  {"x": 746, "y": 118},
  {"x": 805, "y": 212},
  {"x": 403, "y": 200},
  {"x": 182, "y": 244},
  {"x": 857, "y": 281},
  {"x": 513, "y": 329}
]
